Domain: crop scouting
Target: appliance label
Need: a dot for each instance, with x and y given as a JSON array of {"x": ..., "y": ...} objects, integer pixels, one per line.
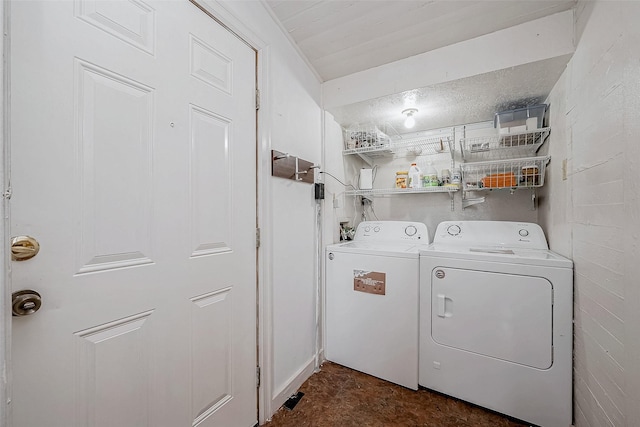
[{"x": 370, "y": 282}]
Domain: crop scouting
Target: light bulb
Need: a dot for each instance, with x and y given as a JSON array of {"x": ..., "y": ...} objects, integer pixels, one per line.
[{"x": 410, "y": 121}]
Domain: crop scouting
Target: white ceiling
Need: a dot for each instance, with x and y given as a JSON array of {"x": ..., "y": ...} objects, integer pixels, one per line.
[
  {"x": 469, "y": 100},
  {"x": 341, "y": 37}
]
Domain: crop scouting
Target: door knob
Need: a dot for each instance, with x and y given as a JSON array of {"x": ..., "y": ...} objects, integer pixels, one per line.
[
  {"x": 24, "y": 248},
  {"x": 25, "y": 302}
]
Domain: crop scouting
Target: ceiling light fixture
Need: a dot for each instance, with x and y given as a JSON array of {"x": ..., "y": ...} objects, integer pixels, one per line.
[{"x": 409, "y": 121}]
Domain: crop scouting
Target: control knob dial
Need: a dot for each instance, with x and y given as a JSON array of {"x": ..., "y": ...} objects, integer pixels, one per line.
[
  {"x": 453, "y": 230},
  {"x": 410, "y": 230}
]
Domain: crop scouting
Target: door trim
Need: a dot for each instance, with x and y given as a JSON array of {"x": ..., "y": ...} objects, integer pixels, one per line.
[{"x": 5, "y": 282}]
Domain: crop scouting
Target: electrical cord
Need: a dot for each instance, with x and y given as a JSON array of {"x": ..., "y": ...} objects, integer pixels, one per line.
[
  {"x": 364, "y": 214},
  {"x": 373, "y": 212},
  {"x": 355, "y": 211},
  {"x": 343, "y": 184}
]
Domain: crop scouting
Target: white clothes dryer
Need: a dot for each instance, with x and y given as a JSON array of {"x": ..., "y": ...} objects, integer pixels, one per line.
[
  {"x": 372, "y": 300},
  {"x": 496, "y": 320}
]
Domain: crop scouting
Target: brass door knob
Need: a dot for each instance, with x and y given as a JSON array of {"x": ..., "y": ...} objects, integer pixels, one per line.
[
  {"x": 24, "y": 248},
  {"x": 25, "y": 302}
]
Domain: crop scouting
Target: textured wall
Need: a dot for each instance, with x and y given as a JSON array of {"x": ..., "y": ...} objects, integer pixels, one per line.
[{"x": 596, "y": 208}]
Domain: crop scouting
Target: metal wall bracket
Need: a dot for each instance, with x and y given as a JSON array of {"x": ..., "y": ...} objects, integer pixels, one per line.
[
  {"x": 286, "y": 166},
  {"x": 472, "y": 201}
]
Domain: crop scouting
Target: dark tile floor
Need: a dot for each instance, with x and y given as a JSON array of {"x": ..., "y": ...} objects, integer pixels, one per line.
[{"x": 340, "y": 397}]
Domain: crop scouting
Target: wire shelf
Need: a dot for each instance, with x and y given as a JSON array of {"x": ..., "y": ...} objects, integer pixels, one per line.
[
  {"x": 392, "y": 191},
  {"x": 513, "y": 174},
  {"x": 366, "y": 136},
  {"x": 416, "y": 146},
  {"x": 506, "y": 146},
  {"x": 372, "y": 151}
]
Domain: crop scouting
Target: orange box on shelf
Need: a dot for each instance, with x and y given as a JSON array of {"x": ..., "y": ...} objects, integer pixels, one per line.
[{"x": 500, "y": 180}]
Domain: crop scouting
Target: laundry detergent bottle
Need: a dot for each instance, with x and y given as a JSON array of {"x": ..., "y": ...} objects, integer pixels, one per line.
[
  {"x": 415, "y": 176},
  {"x": 430, "y": 176}
]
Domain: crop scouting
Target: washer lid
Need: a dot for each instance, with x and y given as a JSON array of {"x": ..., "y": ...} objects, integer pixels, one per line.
[
  {"x": 379, "y": 248},
  {"x": 495, "y": 253}
]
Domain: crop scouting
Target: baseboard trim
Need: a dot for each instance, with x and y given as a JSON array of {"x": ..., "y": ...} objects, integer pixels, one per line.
[{"x": 291, "y": 386}]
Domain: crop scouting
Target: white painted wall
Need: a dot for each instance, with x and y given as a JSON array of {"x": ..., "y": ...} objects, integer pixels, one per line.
[
  {"x": 296, "y": 129},
  {"x": 593, "y": 216},
  {"x": 290, "y": 121}
]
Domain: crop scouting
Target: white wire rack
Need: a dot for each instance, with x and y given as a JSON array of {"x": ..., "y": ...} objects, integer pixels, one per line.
[
  {"x": 366, "y": 136},
  {"x": 377, "y": 192},
  {"x": 506, "y": 146},
  {"x": 392, "y": 191},
  {"x": 416, "y": 146},
  {"x": 513, "y": 174}
]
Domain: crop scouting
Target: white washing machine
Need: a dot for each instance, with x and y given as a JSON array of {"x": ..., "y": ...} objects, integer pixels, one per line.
[
  {"x": 496, "y": 320},
  {"x": 372, "y": 300}
]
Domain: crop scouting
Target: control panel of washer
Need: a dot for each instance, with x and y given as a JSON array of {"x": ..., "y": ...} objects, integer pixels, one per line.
[
  {"x": 392, "y": 231},
  {"x": 491, "y": 233}
]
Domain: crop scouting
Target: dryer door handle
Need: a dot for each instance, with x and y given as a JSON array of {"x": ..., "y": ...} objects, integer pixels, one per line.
[
  {"x": 441, "y": 305},
  {"x": 444, "y": 303}
]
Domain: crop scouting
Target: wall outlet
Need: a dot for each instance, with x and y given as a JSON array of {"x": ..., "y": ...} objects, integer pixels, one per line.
[{"x": 336, "y": 202}]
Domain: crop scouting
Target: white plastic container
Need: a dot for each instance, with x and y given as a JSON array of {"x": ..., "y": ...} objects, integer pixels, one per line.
[
  {"x": 456, "y": 176},
  {"x": 366, "y": 179},
  {"x": 519, "y": 116},
  {"x": 430, "y": 176},
  {"x": 415, "y": 176}
]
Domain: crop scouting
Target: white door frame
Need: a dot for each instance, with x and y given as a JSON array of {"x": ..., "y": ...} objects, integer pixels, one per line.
[
  {"x": 264, "y": 294},
  {"x": 5, "y": 282}
]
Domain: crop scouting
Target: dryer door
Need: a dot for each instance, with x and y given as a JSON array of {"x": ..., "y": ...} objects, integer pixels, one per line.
[{"x": 499, "y": 315}]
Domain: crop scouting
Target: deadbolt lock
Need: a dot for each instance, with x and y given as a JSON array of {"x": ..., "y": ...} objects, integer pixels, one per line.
[
  {"x": 25, "y": 302},
  {"x": 24, "y": 248}
]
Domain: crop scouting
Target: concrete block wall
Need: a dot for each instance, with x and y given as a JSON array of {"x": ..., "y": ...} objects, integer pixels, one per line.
[{"x": 594, "y": 116}]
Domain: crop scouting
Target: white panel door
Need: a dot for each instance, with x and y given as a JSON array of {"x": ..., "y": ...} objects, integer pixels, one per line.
[
  {"x": 133, "y": 153},
  {"x": 506, "y": 316}
]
